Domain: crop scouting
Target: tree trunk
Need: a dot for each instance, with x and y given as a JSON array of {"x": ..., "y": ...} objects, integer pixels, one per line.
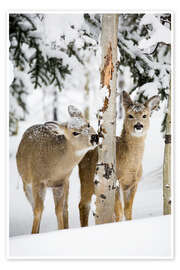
[
  {"x": 45, "y": 113},
  {"x": 105, "y": 177},
  {"x": 86, "y": 96},
  {"x": 167, "y": 162},
  {"x": 55, "y": 104}
]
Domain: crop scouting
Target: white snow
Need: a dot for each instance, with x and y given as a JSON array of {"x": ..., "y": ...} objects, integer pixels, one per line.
[
  {"x": 76, "y": 123},
  {"x": 160, "y": 32},
  {"x": 148, "y": 89},
  {"x": 145, "y": 238}
]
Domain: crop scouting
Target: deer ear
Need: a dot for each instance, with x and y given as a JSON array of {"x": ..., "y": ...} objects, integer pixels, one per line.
[
  {"x": 55, "y": 127},
  {"x": 74, "y": 112},
  {"x": 126, "y": 100},
  {"x": 153, "y": 103}
]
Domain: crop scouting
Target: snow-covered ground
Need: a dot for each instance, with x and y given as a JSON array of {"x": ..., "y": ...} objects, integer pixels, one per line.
[
  {"x": 142, "y": 238},
  {"x": 148, "y": 203}
]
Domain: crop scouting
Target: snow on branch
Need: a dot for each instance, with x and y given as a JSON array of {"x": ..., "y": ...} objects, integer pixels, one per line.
[{"x": 160, "y": 33}]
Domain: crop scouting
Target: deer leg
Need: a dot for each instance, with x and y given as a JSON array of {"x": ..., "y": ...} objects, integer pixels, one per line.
[
  {"x": 128, "y": 201},
  {"x": 38, "y": 192},
  {"x": 84, "y": 205},
  {"x": 28, "y": 193},
  {"x": 87, "y": 190},
  {"x": 118, "y": 206},
  {"x": 59, "y": 201},
  {"x": 65, "y": 210},
  {"x": 86, "y": 174}
]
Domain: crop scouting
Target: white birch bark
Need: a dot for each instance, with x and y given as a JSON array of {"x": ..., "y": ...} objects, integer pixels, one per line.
[
  {"x": 105, "y": 177},
  {"x": 167, "y": 162}
]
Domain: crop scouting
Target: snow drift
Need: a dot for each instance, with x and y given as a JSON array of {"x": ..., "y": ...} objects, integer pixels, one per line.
[{"x": 143, "y": 238}]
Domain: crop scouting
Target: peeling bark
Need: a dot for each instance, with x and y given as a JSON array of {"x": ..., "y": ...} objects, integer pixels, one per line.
[{"x": 105, "y": 177}]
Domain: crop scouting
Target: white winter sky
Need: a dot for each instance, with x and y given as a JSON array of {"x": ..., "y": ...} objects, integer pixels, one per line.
[{"x": 72, "y": 5}]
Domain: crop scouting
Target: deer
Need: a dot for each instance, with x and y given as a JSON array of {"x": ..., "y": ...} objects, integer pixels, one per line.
[
  {"x": 129, "y": 155},
  {"x": 46, "y": 156}
]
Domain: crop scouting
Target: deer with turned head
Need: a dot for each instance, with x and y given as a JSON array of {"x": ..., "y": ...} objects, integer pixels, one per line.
[
  {"x": 46, "y": 157},
  {"x": 129, "y": 154}
]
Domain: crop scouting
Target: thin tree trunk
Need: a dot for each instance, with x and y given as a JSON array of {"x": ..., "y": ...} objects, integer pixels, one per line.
[
  {"x": 105, "y": 177},
  {"x": 55, "y": 102},
  {"x": 86, "y": 96},
  {"x": 167, "y": 162},
  {"x": 45, "y": 113}
]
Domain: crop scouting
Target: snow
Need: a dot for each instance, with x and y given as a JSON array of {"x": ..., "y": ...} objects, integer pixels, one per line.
[
  {"x": 145, "y": 238},
  {"x": 148, "y": 89},
  {"x": 160, "y": 32},
  {"x": 76, "y": 123}
]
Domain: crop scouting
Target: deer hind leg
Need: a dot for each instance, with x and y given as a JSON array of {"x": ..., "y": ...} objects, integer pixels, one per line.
[
  {"x": 28, "y": 193},
  {"x": 128, "y": 201},
  {"x": 38, "y": 192},
  {"x": 84, "y": 205},
  {"x": 87, "y": 190},
  {"x": 59, "y": 201},
  {"x": 86, "y": 174},
  {"x": 118, "y": 206}
]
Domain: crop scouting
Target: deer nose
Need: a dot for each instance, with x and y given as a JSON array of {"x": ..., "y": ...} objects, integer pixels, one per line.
[
  {"x": 138, "y": 126},
  {"x": 94, "y": 138}
]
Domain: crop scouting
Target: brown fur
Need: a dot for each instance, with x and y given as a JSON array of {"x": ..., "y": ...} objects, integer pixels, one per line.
[
  {"x": 129, "y": 155},
  {"x": 46, "y": 156}
]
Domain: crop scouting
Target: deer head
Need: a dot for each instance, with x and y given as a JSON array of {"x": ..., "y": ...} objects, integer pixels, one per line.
[
  {"x": 137, "y": 115},
  {"x": 77, "y": 131}
]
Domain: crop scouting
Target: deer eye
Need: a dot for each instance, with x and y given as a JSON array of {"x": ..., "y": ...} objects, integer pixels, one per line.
[
  {"x": 130, "y": 116},
  {"x": 88, "y": 125},
  {"x": 76, "y": 133},
  {"x": 144, "y": 116}
]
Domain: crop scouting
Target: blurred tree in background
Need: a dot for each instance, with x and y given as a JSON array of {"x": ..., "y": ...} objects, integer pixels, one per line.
[{"x": 35, "y": 59}]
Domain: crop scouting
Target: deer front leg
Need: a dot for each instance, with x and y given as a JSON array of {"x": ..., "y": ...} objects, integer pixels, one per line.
[
  {"x": 65, "y": 210},
  {"x": 128, "y": 195},
  {"x": 38, "y": 192},
  {"x": 59, "y": 201},
  {"x": 118, "y": 206}
]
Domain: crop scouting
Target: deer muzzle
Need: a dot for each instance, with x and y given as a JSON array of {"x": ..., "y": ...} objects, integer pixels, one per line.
[
  {"x": 94, "y": 139},
  {"x": 138, "y": 126}
]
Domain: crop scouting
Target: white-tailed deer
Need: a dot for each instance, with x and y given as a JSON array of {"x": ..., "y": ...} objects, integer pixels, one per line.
[
  {"x": 129, "y": 155},
  {"x": 46, "y": 156}
]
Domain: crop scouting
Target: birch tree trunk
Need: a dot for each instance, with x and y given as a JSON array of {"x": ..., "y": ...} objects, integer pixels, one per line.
[
  {"x": 105, "y": 177},
  {"x": 55, "y": 105},
  {"x": 86, "y": 96},
  {"x": 167, "y": 162}
]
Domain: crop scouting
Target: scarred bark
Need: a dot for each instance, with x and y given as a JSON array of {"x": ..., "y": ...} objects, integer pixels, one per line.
[{"x": 105, "y": 169}]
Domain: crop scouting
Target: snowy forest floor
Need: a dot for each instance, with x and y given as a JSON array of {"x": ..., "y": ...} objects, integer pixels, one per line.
[{"x": 141, "y": 238}]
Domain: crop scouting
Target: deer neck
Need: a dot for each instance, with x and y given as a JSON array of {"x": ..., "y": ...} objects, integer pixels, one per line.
[{"x": 131, "y": 140}]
